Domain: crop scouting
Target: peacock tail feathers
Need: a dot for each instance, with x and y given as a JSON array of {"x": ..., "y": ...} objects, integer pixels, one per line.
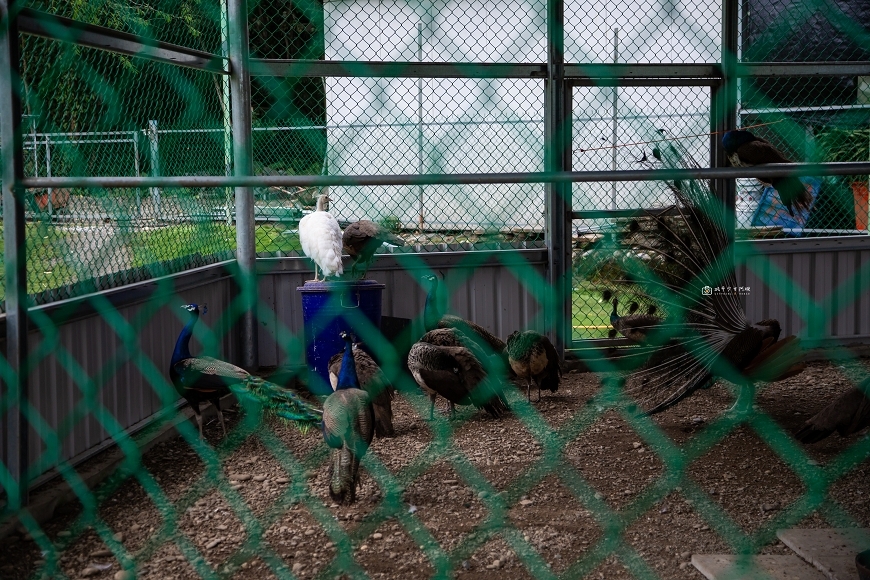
[
  {"x": 677, "y": 256},
  {"x": 281, "y": 402}
]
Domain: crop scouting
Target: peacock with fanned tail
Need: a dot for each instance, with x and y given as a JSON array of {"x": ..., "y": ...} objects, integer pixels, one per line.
[
  {"x": 706, "y": 333},
  {"x": 202, "y": 379},
  {"x": 348, "y": 428}
]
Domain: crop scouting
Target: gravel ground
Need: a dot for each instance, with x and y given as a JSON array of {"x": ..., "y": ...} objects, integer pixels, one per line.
[{"x": 732, "y": 483}]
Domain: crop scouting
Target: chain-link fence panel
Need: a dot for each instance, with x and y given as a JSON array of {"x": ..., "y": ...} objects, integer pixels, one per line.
[
  {"x": 187, "y": 23},
  {"x": 807, "y": 118},
  {"x": 647, "y": 32},
  {"x": 611, "y": 131}
]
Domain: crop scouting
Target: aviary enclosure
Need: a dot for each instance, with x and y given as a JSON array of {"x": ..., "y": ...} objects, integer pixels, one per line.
[{"x": 555, "y": 166}]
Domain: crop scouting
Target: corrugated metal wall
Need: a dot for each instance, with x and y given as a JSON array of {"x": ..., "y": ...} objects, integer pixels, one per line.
[
  {"x": 818, "y": 288},
  {"x": 786, "y": 278},
  {"x": 88, "y": 343},
  {"x": 489, "y": 294}
]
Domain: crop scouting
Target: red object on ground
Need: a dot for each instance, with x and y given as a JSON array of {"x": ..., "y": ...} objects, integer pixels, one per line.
[{"x": 862, "y": 204}]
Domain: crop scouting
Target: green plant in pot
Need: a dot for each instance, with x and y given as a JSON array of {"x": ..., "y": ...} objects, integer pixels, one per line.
[{"x": 844, "y": 145}]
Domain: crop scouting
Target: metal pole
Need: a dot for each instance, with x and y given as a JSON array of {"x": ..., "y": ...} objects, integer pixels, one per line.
[
  {"x": 723, "y": 108},
  {"x": 243, "y": 163},
  {"x": 557, "y": 157},
  {"x": 228, "y": 120},
  {"x": 420, "y": 123},
  {"x": 154, "y": 150},
  {"x": 48, "y": 173},
  {"x": 11, "y": 145},
  {"x": 136, "y": 169},
  {"x": 614, "y": 128}
]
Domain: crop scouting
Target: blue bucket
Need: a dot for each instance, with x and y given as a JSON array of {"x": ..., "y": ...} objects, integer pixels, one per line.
[{"x": 324, "y": 309}]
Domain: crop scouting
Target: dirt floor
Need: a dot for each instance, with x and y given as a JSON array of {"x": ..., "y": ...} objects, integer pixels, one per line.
[{"x": 505, "y": 500}]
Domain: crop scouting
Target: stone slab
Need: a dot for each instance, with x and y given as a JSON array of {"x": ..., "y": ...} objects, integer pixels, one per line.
[
  {"x": 830, "y": 550},
  {"x": 721, "y": 567}
]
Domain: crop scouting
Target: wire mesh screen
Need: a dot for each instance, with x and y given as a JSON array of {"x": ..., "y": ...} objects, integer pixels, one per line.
[
  {"x": 680, "y": 426},
  {"x": 643, "y": 32}
]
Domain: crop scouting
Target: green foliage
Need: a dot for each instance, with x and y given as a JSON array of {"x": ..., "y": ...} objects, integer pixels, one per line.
[
  {"x": 391, "y": 222},
  {"x": 839, "y": 145}
]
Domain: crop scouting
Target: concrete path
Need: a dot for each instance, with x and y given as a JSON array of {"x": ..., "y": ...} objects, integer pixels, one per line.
[{"x": 820, "y": 554}]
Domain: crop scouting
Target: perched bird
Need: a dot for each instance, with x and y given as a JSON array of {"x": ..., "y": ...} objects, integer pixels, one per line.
[
  {"x": 361, "y": 239},
  {"x": 433, "y": 317},
  {"x": 203, "y": 378},
  {"x": 534, "y": 358},
  {"x": 746, "y": 150},
  {"x": 320, "y": 238},
  {"x": 706, "y": 333},
  {"x": 848, "y": 414},
  {"x": 348, "y": 428},
  {"x": 634, "y": 327},
  {"x": 443, "y": 362},
  {"x": 373, "y": 382}
]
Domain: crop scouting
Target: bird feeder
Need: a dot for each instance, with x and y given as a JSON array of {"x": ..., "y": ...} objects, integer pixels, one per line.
[{"x": 328, "y": 309}]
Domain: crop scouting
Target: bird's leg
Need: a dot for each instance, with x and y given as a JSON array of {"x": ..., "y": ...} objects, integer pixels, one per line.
[
  {"x": 220, "y": 415},
  {"x": 431, "y": 407},
  {"x": 539, "y": 391},
  {"x": 529, "y": 390},
  {"x": 315, "y": 273},
  {"x": 745, "y": 398},
  {"x": 452, "y": 410},
  {"x": 198, "y": 416}
]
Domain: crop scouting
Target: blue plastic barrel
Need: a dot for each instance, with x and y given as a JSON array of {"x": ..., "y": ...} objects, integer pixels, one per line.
[{"x": 326, "y": 308}]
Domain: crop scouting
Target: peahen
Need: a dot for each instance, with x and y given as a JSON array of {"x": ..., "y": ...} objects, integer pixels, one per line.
[
  {"x": 848, "y": 414},
  {"x": 634, "y": 327},
  {"x": 202, "y": 378},
  {"x": 348, "y": 428},
  {"x": 706, "y": 333},
  {"x": 320, "y": 238},
  {"x": 361, "y": 240},
  {"x": 372, "y": 381},
  {"x": 746, "y": 150},
  {"x": 534, "y": 358},
  {"x": 447, "y": 363},
  {"x": 434, "y": 317}
]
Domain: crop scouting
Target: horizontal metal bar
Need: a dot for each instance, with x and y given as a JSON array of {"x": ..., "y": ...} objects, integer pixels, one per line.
[
  {"x": 65, "y": 29},
  {"x": 803, "y": 109},
  {"x": 796, "y": 69},
  {"x": 751, "y": 248},
  {"x": 651, "y": 82},
  {"x": 625, "y": 71},
  {"x": 334, "y": 68},
  {"x": 625, "y": 74},
  {"x": 409, "y": 69},
  {"x": 772, "y": 170},
  {"x": 620, "y": 213}
]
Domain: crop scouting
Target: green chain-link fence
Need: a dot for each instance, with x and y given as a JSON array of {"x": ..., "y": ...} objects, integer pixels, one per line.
[{"x": 410, "y": 89}]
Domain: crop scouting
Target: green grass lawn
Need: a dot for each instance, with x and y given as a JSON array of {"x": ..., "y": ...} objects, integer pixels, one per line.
[
  {"x": 48, "y": 267},
  {"x": 206, "y": 238},
  {"x": 591, "y": 315}
]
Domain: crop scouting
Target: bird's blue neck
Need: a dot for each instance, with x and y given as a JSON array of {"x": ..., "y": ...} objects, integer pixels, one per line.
[
  {"x": 734, "y": 139},
  {"x": 614, "y": 317},
  {"x": 182, "y": 345},
  {"x": 347, "y": 378},
  {"x": 430, "y": 308}
]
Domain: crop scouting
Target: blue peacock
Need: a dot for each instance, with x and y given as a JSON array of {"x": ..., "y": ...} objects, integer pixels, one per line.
[
  {"x": 348, "y": 428},
  {"x": 202, "y": 379}
]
